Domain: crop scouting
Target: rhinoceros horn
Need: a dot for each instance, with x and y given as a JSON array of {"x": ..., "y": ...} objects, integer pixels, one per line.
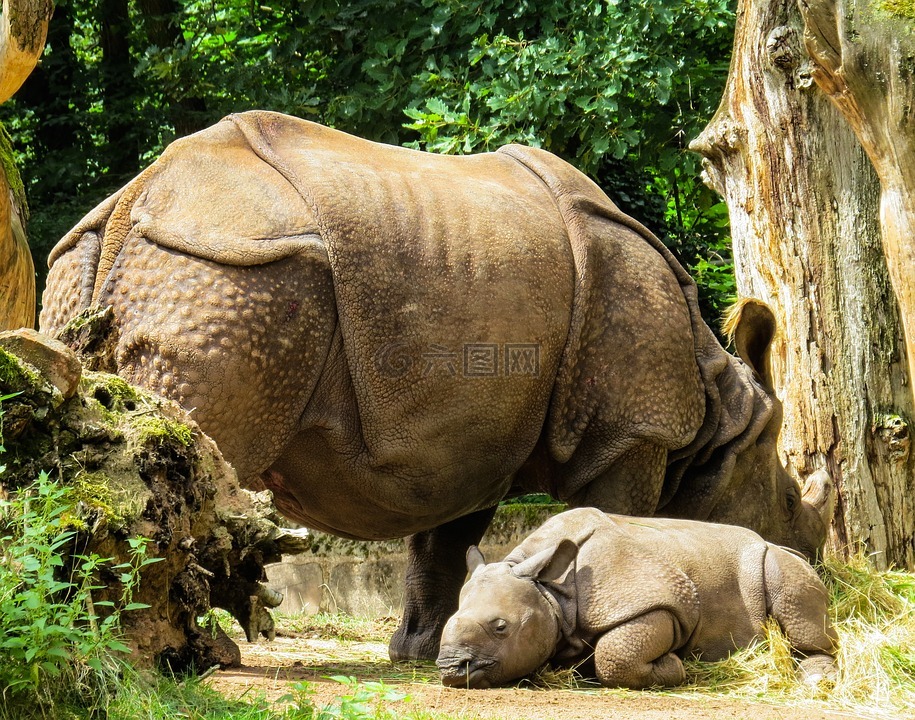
[{"x": 819, "y": 492}]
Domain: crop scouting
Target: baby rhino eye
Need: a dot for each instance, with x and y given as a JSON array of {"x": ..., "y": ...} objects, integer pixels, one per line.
[{"x": 499, "y": 626}]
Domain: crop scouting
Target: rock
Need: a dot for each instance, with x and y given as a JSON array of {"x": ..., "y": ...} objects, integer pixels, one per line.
[{"x": 51, "y": 358}]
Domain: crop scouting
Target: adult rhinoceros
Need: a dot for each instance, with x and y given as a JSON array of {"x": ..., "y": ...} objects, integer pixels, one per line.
[{"x": 392, "y": 341}]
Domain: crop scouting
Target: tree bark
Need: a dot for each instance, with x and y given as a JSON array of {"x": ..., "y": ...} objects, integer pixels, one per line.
[
  {"x": 864, "y": 60},
  {"x": 803, "y": 201},
  {"x": 17, "y": 270},
  {"x": 23, "y": 32},
  {"x": 22, "y": 37}
]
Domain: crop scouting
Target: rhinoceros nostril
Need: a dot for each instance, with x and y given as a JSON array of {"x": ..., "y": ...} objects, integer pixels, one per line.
[
  {"x": 466, "y": 672},
  {"x": 452, "y": 663}
]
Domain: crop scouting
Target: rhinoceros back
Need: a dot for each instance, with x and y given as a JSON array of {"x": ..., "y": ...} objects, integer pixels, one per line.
[{"x": 453, "y": 281}]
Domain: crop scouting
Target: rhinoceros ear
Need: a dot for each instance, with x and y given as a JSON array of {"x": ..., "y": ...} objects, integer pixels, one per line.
[
  {"x": 475, "y": 559},
  {"x": 751, "y": 326},
  {"x": 549, "y": 564}
]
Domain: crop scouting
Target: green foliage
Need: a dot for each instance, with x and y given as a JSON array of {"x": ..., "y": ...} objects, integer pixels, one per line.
[
  {"x": 616, "y": 87},
  {"x": 52, "y": 638},
  {"x": 59, "y": 647},
  {"x": 151, "y": 696},
  {"x": 364, "y": 701},
  {"x": 900, "y": 8}
]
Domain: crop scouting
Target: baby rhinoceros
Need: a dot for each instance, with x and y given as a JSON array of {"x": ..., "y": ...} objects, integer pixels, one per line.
[{"x": 638, "y": 594}]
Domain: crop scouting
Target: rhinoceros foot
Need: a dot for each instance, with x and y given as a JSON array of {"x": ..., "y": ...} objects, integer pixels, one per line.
[
  {"x": 406, "y": 646},
  {"x": 818, "y": 670}
]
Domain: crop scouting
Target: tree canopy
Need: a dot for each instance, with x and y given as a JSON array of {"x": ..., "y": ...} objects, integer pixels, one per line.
[{"x": 617, "y": 87}]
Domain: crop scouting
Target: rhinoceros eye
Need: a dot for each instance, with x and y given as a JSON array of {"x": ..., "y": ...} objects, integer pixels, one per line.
[
  {"x": 499, "y": 626},
  {"x": 792, "y": 500}
]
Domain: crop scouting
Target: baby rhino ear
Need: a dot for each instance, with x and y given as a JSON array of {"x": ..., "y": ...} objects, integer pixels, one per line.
[
  {"x": 549, "y": 564},
  {"x": 475, "y": 559}
]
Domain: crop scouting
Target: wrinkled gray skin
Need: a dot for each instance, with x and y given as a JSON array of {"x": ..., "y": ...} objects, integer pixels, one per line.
[
  {"x": 629, "y": 598},
  {"x": 392, "y": 341}
]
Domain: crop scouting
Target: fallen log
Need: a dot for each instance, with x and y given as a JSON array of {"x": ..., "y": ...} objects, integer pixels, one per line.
[{"x": 139, "y": 467}]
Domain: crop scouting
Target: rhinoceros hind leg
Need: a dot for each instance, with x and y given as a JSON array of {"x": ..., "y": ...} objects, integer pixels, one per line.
[
  {"x": 436, "y": 568},
  {"x": 637, "y": 654},
  {"x": 798, "y": 601}
]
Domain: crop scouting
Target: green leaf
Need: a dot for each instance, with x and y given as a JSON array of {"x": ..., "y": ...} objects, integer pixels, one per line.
[
  {"x": 129, "y": 607},
  {"x": 117, "y": 646}
]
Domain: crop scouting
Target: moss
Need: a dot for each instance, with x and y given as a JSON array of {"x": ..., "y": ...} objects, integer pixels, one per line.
[
  {"x": 93, "y": 489},
  {"x": 113, "y": 392},
  {"x": 899, "y": 8},
  {"x": 72, "y": 521},
  {"x": 152, "y": 429},
  {"x": 15, "y": 376},
  {"x": 888, "y": 420},
  {"x": 119, "y": 499},
  {"x": 8, "y": 163}
]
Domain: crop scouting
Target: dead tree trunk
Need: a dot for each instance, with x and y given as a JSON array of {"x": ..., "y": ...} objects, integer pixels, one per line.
[
  {"x": 138, "y": 467},
  {"x": 864, "y": 60},
  {"x": 23, "y": 31},
  {"x": 17, "y": 270},
  {"x": 803, "y": 201}
]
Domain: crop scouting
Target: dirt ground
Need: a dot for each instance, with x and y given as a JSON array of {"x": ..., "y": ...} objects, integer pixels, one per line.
[{"x": 271, "y": 668}]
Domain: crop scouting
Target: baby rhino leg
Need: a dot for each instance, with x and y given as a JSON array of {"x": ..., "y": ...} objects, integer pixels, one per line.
[
  {"x": 637, "y": 654},
  {"x": 797, "y": 599}
]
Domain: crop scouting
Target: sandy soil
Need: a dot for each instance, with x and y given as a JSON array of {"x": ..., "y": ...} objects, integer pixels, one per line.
[{"x": 271, "y": 668}]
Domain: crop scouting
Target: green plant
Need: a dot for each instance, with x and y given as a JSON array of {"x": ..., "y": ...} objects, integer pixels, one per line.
[
  {"x": 616, "y": 87},
  {"x": 364, "y": 701},
  {"x": 153, "y": 696},
  {"x": 54, "y": 641}
]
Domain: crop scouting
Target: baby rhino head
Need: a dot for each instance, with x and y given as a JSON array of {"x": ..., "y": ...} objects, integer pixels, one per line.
[{"x": 507, "y": 624}]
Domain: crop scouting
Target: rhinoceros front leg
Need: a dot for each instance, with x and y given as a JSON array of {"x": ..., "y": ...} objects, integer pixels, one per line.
[
  {"x": 637, "y": 654},
  {"x": 631, "y": 486},
  {"x": 436, "y": 568}
]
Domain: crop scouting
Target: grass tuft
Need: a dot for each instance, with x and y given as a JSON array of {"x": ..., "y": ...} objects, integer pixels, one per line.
[
  {"x": 559, "y": 678},
  {"x": 874, "y": 614},
  {"x": 345, "y": 628}
]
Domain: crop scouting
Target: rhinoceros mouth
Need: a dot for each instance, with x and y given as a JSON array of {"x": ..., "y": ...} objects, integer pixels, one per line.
[{"x": 472, "y": 673}]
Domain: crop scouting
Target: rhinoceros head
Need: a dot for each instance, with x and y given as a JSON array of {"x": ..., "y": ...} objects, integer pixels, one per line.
[
  {"x": 506, "y": 625},
  {"x": 761, "y": 495}
]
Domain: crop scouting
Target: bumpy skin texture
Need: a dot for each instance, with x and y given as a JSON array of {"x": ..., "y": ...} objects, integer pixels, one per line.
[
  {"x": 392, "y": 340},
  {"x": 641, "y": 595}
]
